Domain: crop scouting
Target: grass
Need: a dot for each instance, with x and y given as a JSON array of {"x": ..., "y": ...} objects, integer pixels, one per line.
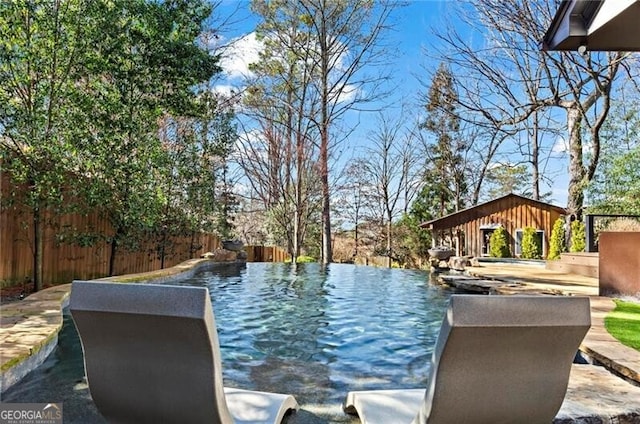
[{"x": 623, "y": 323}]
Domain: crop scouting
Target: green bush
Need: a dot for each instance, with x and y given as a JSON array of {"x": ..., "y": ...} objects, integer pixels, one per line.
[
  {"x": 306, "y": 259},
  {"x": 531, "y": 246},
  {"x": 302, "y": 259},
  {"x": 499, "y": 243},
  {"x": 578, "y": 237},
  {"x": 557, "y": 242}
]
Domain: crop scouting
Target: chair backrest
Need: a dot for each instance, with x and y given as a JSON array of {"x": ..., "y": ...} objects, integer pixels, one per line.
[
  {"x": 151, "y": 352},
  {"x": 504, "y": 359}
]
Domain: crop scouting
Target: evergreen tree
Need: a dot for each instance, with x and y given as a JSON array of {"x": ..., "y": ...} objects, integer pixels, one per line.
[
  {"x": 557, "y": 242},
  {"x": 578, "y": 236},
  {"x": 531, "y": 246},
  {"x": 445, "y": 166},
  {"x": 499, "y": 244}
]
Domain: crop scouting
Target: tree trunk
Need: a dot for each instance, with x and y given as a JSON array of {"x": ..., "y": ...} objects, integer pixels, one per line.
[
  {"x": 327, "y": 253},
  {"x": 38, "y": 252},
  {"x": 112, "y": 256},
  {"x": 534, "y": 158},
  {"x": 576, "y": 166},
  {"x": 389, "y": 258}
]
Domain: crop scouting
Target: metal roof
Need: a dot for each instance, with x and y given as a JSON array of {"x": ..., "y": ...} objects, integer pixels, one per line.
[{"x": 478, "y": 211}]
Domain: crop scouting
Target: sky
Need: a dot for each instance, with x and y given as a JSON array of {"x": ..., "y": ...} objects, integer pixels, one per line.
[{"x": 411, "y": 42}]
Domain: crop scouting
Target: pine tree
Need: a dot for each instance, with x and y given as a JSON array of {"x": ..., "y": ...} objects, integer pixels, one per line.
[{"x": 445, "y": 168}]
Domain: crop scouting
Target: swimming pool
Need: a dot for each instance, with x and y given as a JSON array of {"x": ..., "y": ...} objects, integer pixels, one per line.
[{"x": 312, "y": 331}]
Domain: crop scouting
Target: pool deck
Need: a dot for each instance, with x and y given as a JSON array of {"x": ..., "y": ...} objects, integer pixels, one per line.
[{"x": 29, "y": 328}]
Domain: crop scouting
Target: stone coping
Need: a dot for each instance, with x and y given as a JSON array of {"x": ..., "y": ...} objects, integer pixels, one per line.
[{"x": 29, "y": 328}]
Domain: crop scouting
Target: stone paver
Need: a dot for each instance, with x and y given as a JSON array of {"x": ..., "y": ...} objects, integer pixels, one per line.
[{"x": 29, "y": 332}]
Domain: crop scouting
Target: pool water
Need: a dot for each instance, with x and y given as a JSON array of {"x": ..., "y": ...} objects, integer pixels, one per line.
[{"x": 315, "y": 332}]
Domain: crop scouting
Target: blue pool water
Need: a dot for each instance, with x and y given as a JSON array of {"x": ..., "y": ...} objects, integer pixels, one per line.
[{"x": 315, "y": 332}]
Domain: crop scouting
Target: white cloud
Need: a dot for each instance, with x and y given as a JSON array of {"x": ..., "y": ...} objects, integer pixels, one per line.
[
  {"x": 239, "y": 54},
  {"x": 225, "y": 90},
  {"x": 560, "y": 147},
  {"x": 348, "y": 94},
  {"x": 243, "y": 51}
]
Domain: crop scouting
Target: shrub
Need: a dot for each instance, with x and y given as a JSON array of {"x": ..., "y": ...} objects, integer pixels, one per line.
[
  {"x": 557, "y": 242},
  {"x": 578, "y": 237},
  {"x": 623, "y": 224},
  {"x": 531, "y": 246},
  {"x": 306, "y": 259},
  {"x": 302, "y": 259},
  {"x": 499, "y": 243}
]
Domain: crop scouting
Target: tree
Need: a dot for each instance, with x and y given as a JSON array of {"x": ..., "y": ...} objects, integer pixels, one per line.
[
  {"x": 615, "y": 187},
  {"x": 616, "y": 190},
  {"x": 578, "y": 237},
  {"x": 196, "y": 192},
  {"x": 503, "y": 179},
  {"x": 43, "y": 44},
  {"x": 145, "y": 67},
  {"x": 347, "y": 37},
  {"x": 353, "y": 198},
  {"x": 522, "y": 80},
  {"x": 281, "y": 156},
  {"x": 391, "y": 169},
  {"x": 321, "y": 51},
  {"x": 445, "y": 166}
]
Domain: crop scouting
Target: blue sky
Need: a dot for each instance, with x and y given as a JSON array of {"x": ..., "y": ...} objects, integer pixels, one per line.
[{"x": 410, "y": 41}]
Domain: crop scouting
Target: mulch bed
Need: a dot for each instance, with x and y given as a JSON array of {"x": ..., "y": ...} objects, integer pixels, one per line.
[{"x": 15, "y": 293}]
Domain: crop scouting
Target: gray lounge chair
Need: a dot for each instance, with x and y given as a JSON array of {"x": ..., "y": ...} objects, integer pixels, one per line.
[
  {"x": 498, "y": 359},
  {"x": 152, "y": 356}
]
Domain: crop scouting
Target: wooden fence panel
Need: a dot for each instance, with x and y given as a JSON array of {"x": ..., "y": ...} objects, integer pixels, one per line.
[{"x": 65, "y": 259}]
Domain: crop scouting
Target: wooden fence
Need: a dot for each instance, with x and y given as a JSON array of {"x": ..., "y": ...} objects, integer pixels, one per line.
[
  {"x": 65, "y": 260},
  {"x": 266, "y": 254}
]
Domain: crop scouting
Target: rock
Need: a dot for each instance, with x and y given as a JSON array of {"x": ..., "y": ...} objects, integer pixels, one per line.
[
  {"x": 221, "y": 255},
  {"x": 233, "y": 245},
  {"x": 595, "y": 396},
  {"x": 459, "y": 263}
]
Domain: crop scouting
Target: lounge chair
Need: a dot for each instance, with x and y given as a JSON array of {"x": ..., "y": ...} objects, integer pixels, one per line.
[
  {"x": 152, "y": 356},
  {"x": 498, "y": 359}
]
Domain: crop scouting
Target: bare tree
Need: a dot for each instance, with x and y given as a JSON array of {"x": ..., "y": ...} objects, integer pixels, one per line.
[
  {"x": 348, "y": 40},
  {"x": 280, "y": 154},
  {"x": 507, "y": 79},
  {"x": 352, "y": 197},
  {"x": 390, "y": 166}
]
